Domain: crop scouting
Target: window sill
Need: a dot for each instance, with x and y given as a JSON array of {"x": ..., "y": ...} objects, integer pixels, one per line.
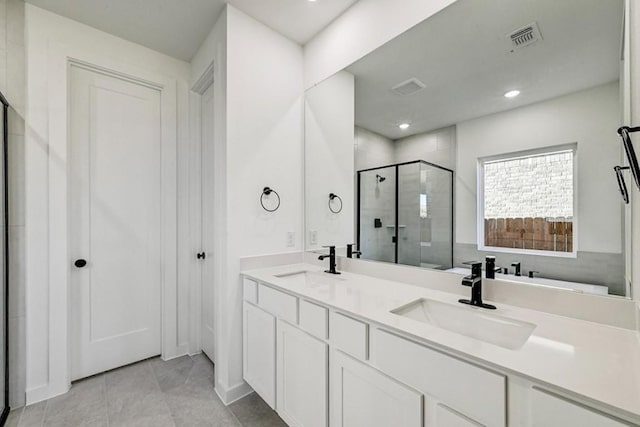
[{"x": 573, "y": 254}]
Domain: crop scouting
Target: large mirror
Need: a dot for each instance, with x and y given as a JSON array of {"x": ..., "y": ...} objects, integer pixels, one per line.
[{"x": 487, "y": 130}]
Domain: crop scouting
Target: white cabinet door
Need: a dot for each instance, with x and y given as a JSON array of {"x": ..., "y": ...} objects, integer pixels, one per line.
[
  {"x": 551, "y": 411},
  {"x": 302, "y": 377},
  {"x": 259, "y": 352},
  {"x": 362, "y": 396},
  {"x": 447, "y": 417}
]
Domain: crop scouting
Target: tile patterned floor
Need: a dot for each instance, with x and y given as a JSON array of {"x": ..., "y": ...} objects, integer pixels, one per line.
[{"x": 151, "y": 393}]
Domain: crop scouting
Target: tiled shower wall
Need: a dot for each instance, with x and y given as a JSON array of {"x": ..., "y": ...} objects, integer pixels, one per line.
[{"x": 13, "y": 86}]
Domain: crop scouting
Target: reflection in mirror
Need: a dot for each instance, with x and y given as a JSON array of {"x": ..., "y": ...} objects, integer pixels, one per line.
[{"x": 488, "y": 129}]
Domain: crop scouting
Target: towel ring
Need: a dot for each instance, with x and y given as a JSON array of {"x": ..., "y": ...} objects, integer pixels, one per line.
[
  {"x": 332, "y": 197},
  {"x": 631, "y": 154},
  {"x": 266, "y": 191},
  {"x": 621, "y": 184}
]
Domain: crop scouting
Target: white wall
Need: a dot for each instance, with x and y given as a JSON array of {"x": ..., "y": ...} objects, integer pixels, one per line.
[
  {"x": 372, "y": 149},
  {"x": 365, "y": 26},
  {"x": 437, "y": 146},
  {"x": 329, "y": 160},
  {"x": 46, "y": 340},
  {"x": 590, "y": 118},
  {"x": 12, "y": 85},
  {"x": 258, "y": 133},
  {"x": 213, "y": 54}
]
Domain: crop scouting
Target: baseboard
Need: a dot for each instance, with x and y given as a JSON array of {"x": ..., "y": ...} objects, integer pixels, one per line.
[
  {"x": 231, "y": 394},
  {"x": 178, "y": 351},
  {"x": 44, "y": 392}
]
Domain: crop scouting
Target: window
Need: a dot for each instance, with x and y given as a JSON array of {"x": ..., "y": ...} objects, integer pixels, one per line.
[{"x": 527, "y": 201}]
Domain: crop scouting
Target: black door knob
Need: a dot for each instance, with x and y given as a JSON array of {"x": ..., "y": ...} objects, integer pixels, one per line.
[
  {"x": 201, "y": 255},
  {"x": 80, "y": 263}
]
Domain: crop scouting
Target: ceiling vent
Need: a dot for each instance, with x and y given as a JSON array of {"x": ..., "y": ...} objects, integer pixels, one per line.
[
  {"x": 409, "y": 87},
  {"x": 525, "y": 36}
]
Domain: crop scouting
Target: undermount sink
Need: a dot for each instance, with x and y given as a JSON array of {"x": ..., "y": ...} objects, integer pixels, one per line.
[
  {"x": 310, "y": 278},
  {"x": 469, "y": 321}
]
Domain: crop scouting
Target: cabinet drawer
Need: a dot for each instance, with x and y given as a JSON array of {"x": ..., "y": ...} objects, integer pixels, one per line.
[
  {"x": 283, "y": 306},
  {"x": 250, "y": 290},
  {"x": 549, "y": 411},
  {"x": 314, "y": 319},
  {"x": 349, "y": 335},
  {"x": 473, "y": 391}
]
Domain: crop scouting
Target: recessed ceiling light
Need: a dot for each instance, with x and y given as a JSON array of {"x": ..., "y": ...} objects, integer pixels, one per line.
[
  {"x": 512, "y": 94},
  {"x": 404, "y": 126}
]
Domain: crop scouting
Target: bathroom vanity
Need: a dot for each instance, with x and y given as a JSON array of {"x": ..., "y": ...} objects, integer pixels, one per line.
[{"x": 352, "y": 350}]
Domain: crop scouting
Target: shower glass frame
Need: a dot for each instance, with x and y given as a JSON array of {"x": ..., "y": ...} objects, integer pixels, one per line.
[{"x": 396, "y": 167}]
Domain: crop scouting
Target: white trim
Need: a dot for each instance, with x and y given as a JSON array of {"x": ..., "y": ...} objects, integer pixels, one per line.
[
  {"x": 572, "y": 147},
  {"x": 234, "y": 393},
  {"x": 58, "y": 60},
  {"x": 205, "y": 81}
]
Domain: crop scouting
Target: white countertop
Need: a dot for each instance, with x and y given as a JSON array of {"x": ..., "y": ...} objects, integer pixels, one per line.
[{"x": 598, "y": 362}]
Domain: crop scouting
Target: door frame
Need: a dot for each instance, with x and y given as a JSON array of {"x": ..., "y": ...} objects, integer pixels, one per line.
[
  {"x": 60, "y": 58},
  {"x": 197, "y": 281}
]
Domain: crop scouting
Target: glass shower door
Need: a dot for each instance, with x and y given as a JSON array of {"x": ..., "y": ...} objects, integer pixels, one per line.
[
  {"x": 4, "y": 265},
  {"x": 436, "y": 217},
  {"x": 409, "y": 219},
  {"x": 377, "y": 214}
]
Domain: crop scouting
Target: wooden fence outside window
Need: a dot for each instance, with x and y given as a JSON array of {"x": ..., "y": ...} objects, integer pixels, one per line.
[{"x": 543, "y": 234}]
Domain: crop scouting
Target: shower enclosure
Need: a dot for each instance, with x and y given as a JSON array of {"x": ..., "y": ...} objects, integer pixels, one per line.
[{"x": 405, "y": 214}]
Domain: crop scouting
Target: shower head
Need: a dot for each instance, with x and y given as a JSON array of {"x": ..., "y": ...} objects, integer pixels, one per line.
[{"x": 380, "y": 178}]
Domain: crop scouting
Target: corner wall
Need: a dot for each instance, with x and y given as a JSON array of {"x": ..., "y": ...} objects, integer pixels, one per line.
[{"x": 258, "y": 143}]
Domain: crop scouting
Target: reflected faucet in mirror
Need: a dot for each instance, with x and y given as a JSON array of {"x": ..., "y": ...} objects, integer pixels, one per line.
[{"x": 351, "y": 252}]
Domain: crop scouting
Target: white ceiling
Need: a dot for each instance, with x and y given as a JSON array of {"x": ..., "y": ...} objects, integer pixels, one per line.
[
  {"x": 464, "y": 58},
  {"x": 178, "y": 27},
  {"x": 299, "y": 20}
]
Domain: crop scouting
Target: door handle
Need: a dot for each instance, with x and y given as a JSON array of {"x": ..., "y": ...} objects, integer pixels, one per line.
[
  {"x": 201, "y": 255},
  {"x": 79, "y": 263}
]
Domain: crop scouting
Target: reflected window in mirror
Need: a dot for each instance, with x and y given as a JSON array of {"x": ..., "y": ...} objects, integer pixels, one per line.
[{"x": 527, "y": 202}]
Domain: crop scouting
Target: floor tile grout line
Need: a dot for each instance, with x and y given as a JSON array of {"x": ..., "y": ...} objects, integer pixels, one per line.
[
  {"x": 20, "y": 415},
  {"x": 234, "y": 416},
  {"x": 106, "y": 401},
  {"x": 164, "y": 398},
  {"x": 46, "y": 409}
]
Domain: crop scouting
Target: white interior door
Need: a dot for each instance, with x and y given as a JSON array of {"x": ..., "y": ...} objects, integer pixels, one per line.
[
  {"x": 208, "y": 298},
  {"x": 115, "y": 221}
]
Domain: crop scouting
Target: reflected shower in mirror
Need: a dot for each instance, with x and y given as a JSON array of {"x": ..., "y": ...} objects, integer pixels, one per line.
[
  {"x": 495, "y": 136},
  {"x": 407, "y": 219}
]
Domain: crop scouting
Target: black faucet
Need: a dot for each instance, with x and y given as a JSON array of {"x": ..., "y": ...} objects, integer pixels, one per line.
[
  {"x": 490, "y": 267},
  {"x": 517, "y": 266},
  {"x": 332, "y": 260},
  {"x": 531, "y": 273},
  {"x": 351, "y": 252},
  {"x": 475, "y": 281}
]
